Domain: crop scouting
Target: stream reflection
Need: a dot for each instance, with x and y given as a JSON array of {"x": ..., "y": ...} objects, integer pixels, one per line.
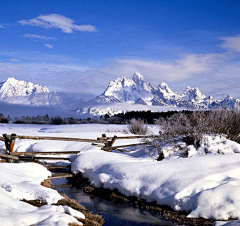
[{"x": 114, "y": 213}]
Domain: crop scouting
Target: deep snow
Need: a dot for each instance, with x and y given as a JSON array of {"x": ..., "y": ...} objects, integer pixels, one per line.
[
  {"x": 22, "y": 181},
  {"x": 205, "y": 185}
]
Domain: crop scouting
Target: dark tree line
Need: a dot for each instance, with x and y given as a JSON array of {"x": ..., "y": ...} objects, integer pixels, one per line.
[{"x": 149, "y": 116}]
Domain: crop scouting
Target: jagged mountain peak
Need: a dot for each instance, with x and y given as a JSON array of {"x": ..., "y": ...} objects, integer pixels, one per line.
[
  {"x": 14, "y": 87},
  {"x": 164, "y": 86},
  {"x": 124, "y": 89},
  {"x": 228, "y": 97},
  {"x": 11, "y": 80},
  {"x": 26, "y": 93},
  {"x": 193, "y": 94},
  {"x": 138, "y": 91},
  {"x": 164, "y": 89},
  {"x": 137, "y": 77}
]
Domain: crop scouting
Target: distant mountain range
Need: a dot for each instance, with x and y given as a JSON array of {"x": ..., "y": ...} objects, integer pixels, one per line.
[
  {"x": 14, "y": 91},
  {"x": 137, "y": 91},
  {"x": 121, "y": 95}
]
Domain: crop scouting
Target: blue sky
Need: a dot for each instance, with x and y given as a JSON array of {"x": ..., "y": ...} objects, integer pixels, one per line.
[{"x": 79, "y": 46}]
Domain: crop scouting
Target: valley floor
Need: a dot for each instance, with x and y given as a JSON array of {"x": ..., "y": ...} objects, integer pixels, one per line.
[{"x": 205, "y": 185}]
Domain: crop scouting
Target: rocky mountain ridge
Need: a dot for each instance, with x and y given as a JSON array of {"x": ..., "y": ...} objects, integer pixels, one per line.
[
  {"x": 138, "y": 91},
  {"x": 14, "y": 91}
]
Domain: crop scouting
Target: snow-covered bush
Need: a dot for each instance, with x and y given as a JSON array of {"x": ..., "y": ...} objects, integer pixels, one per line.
[
  {"x": 192, "y": 128},
  {"x": 137, "y": 126}
]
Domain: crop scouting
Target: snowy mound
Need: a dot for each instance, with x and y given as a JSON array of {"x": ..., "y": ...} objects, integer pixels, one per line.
[{"x": 205, "y": 185}]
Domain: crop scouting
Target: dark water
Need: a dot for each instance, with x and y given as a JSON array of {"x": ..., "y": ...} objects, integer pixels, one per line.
[{"x": 113, "y": 213}]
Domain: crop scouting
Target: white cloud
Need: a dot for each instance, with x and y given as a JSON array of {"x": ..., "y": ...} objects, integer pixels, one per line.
[
  {"x": 49, "y": 46},
  {"x": 33, "y": 36},
  {"x": 232, "y": 43},
  {"x": 57, "y": 21},
  {"x": 213, "y": 74},
  {"x": 1, "y": 26},
  {"x": 189, "y": 66}
]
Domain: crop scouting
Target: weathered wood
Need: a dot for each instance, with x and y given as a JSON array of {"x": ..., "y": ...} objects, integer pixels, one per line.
[
  {"x": 57, "y": 167},
  {"x": 106, "y": 148},
  {"x": 62, "y": 186},
  {"x": 57, "y": 139},
  {"x": 12, "y": 142},
  {"x": 2, "y": 139},
  {"x": 129, "y": 137},
  {"x": 36, "y": 157},
  {"x": 60, "y": 175},
  {"x": 132, "y": 137},
  {"x": 122, "y": 150},
  {"x": 6, "y": 141},
  {"x": 5, "y": 156},
  {"x": 104, "y": 137},
  {"x": 46, "y": 153},
  {"x": 97, "y": 145},
  {"x": 112, "y": 141}
]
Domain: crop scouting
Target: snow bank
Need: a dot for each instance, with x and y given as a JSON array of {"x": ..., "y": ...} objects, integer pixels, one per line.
[
  {"x": 22, "y": 181},
  {"x": 206, "y": 186}
]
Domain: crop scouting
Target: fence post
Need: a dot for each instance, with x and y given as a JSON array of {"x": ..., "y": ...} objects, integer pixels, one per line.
[
  {"x": 12, "y": 142},
  {"x": 9, "y": 142},
  {"x": 108, "y": 146}
]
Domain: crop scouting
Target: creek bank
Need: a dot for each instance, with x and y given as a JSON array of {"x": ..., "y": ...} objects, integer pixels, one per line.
[
  {"x": 90, "y": 219},
  {"x": 114, "y": 195}
]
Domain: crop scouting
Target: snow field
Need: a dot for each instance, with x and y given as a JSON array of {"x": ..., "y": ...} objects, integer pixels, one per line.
[{"x": 205, "y": 185}]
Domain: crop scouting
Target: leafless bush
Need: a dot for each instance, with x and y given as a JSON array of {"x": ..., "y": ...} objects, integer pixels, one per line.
[
  {"x": 137, "y": 126},
  {"x": 225, "y": 123},
  {"x": 192, "y": 127}
]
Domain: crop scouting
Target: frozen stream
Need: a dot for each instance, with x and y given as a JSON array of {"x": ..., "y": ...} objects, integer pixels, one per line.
[{"x": 113, "y": 214}]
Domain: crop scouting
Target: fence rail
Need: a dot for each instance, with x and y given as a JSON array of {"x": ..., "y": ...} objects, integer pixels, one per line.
[{"x": 104, "y": 142}]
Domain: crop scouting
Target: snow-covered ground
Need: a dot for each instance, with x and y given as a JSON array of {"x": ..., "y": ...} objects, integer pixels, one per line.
[
  {"x": 205, "y": 185},
  {"x": 22, "y": 181}
]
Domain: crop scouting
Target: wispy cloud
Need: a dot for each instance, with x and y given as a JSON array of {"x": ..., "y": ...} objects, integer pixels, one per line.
[
  {"x": 42, "y": 37},
  {"x": 1, "y": 26},
  {"x": 188, "y": 66},
  {"x": 232, "y": 43},
  {"x": 49, "y": 46},
  {"x": 57, "y": 21},
  {"x": 213, "y": 74},
  {"x": 14, "y": 60}
]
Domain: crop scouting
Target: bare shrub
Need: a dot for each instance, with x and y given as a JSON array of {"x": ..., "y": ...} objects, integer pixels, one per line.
[
  {"x": 191, "y": 128},
  {"x": 137, "y": 126},
  {"x": 225, "y": 123}
]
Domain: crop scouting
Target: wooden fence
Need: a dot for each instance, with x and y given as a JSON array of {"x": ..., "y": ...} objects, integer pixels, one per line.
[{"x": 104, "y": 142}]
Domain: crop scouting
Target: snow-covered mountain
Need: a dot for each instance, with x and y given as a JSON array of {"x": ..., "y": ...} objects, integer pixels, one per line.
[
  {"x": 126, "y": 90},
  {"x": 14, "y": 91},
  {"x": 138, "y": 91}
]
